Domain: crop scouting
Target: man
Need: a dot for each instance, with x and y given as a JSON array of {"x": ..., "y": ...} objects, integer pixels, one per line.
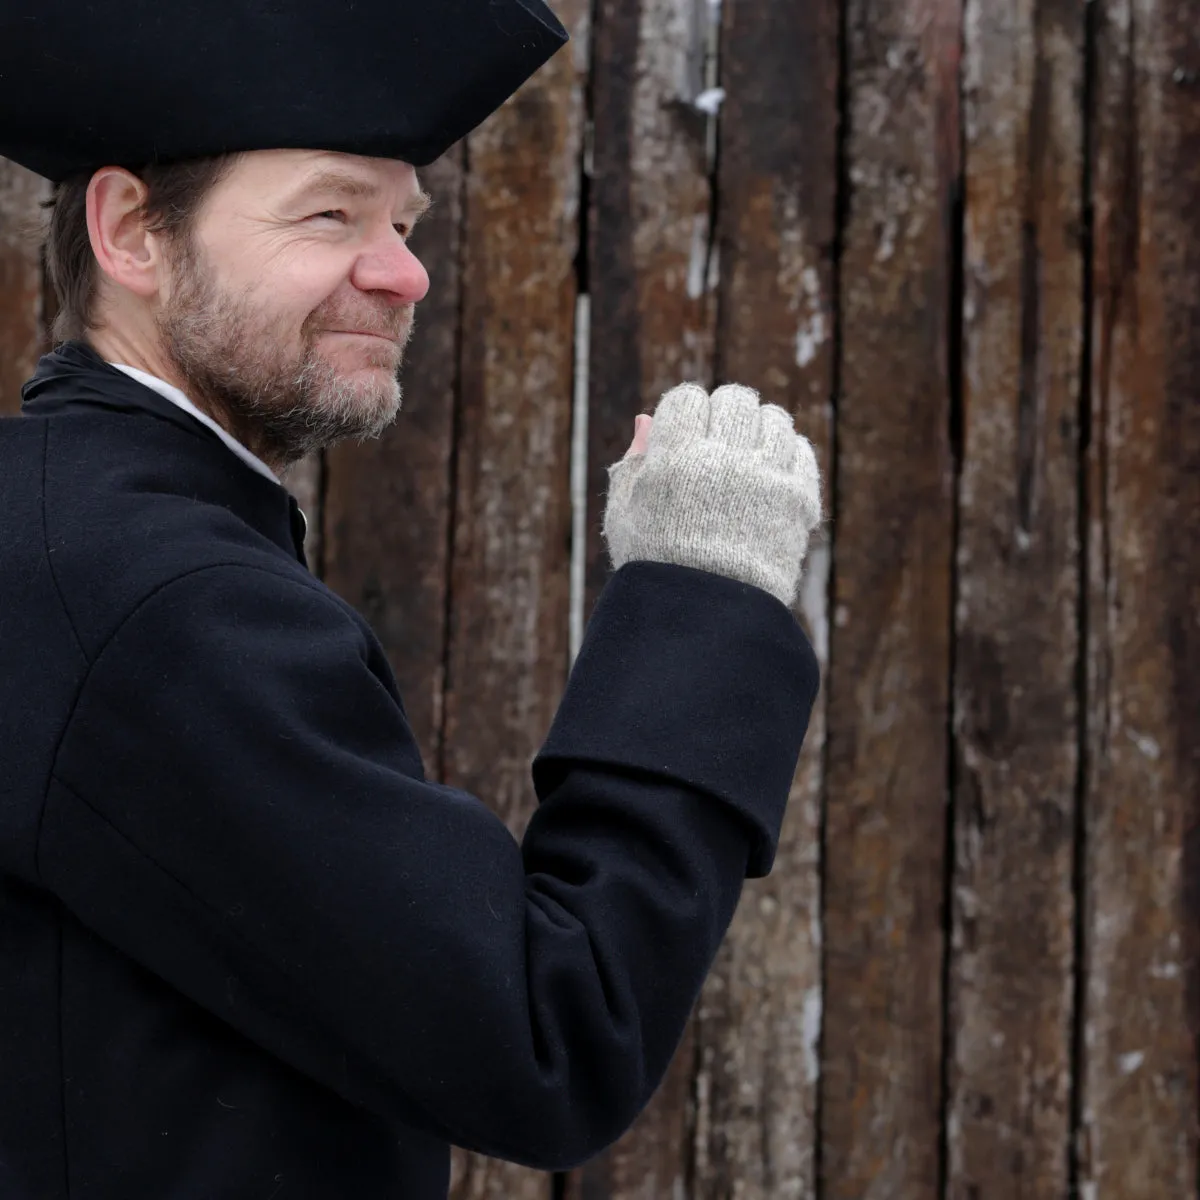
[{"x": 247, "y": 948}]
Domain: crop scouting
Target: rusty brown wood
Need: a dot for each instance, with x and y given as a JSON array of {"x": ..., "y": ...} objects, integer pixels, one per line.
[
  {"x": 652, "y": 266},
  {"x": 510, "y": 563},
  {"x": 21, "y": 338},
  {"x": 387, "y": 503},
  {"x": 652, "y": 272},
  {"x": 1139, "y": 1090},
  {"x": 890, "y": 654},
  {"x": 759, "y": 1024},
  {"x": 1017, "y": 619}
]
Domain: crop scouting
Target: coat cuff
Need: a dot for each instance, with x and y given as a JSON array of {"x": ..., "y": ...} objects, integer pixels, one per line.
[{"x": 694, "y": 677}]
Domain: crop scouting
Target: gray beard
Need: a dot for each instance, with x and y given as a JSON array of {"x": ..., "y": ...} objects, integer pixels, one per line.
[{"x": 278, "y": 406}]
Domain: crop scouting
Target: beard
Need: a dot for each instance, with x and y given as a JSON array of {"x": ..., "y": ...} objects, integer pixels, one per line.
[{"x": 279, "y": 400}]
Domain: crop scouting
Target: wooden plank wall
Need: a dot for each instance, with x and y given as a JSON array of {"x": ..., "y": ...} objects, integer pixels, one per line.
[
  {"x": 1016, "y": 650},
  {"x": 958, "y": 240},
  {"x": 886, "y": 794},
  {"x": 760, "y": 1017},
  {"x": 1141, "y": 1002}
]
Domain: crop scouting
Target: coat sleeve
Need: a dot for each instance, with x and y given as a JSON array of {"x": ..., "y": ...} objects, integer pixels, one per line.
[{"x": 238, "y": 805}]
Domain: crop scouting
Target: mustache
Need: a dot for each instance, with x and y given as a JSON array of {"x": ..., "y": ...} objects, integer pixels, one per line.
[{"x": 395, "y": 324}]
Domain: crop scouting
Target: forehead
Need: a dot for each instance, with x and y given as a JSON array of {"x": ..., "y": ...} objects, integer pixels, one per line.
[{"x": 274, "y": 175}]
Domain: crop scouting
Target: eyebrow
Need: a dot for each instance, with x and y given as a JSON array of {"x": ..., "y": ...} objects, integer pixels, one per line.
[{"x": 354, "y": 187}]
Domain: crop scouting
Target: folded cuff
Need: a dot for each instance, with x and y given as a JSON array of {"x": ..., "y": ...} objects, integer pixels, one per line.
[{"x": 694, "y": 677}]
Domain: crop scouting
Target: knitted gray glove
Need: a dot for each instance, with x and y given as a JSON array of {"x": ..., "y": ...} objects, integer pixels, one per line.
[{"x": 726, "y": 485}]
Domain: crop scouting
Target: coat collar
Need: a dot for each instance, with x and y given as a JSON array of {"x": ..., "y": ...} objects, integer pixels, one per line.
[{"x": 75, "y": 379}]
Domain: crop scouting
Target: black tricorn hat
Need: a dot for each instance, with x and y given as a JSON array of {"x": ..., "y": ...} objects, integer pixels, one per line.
[{"x": 89, "y": 83}]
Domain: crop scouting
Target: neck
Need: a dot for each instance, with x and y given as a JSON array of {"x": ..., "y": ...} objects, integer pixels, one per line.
[
  {"x": 115, "y": 346},
  {"x": 118, "y": 346}
]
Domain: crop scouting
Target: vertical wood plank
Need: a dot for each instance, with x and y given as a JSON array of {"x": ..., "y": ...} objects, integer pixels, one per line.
[
  {"x": 651, "y": 262},
  {"x": 1139, "y": 1110},
  {"x": 760, "y": 1014},
  {"x": 889, "y": 673},
  {"x": 20, "y": 281},
  {"x": 510, "y": 567},
  {"x": 387, "y": 503},
  {"x": 1016, "y": 625},
  {"x": 651, "y": 275}
]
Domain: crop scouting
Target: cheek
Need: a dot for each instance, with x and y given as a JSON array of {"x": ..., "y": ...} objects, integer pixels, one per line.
[
  {"x": 296, "y": 284},
  {"x": 297, "y": 304}
]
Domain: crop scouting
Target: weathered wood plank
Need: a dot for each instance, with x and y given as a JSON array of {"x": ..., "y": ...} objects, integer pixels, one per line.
[
  {"x": 20, "y": 281},
  {"x": 651, "y": 267},
  {"x": 1016, "y": 625},
  {"x": 651, "y": 276},
  {"x": 387, "y": 503},
  {"x": 890, "y": 655},
  {"x": 510, "y": 563},
  {"x": 760, "y": 1014},
  {"x": 1139, "y": 1109}
]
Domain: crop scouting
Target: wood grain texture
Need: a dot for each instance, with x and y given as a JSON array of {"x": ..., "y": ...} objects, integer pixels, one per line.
[
  {"x": 1139, "y": 1110},
  {"x": 388, "y": 503},
  {"x": 653, "y": 309},
  {"x": 759, "y": 1025},
  {"x": 652, "y": 269},
  {"x": 889, "y": 675},
  {"x": 20, "y": 281},
  {"x": 1016, "y": 625},
  {"x": 510, "y": 564}
]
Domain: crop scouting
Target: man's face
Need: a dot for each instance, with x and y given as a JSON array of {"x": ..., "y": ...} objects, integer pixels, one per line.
[{"x": 290, "y": 304}]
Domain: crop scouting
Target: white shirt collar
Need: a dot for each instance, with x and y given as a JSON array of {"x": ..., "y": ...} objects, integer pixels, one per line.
[{"x": 176, "y": 397}]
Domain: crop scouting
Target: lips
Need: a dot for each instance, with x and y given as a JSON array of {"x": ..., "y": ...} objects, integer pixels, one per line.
[{"x": 365, "y": 333}]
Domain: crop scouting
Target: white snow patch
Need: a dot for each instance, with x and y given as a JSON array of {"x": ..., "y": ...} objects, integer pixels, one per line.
[
  {"x": 811, "y": 1027},
  {"x": 1130, "y": 1062},
  {"x": 714, "y": 269},
  {"x": 814, "y": 591},
  {"x": 710, "y": 100},
  {"x": 699, "y": 257},
  {"x": 1146, "y": 744},
  {"x": 809, "y": 339},
  {"x": 579, "y": 446},
  {"x": 887, "y": 240},
  {"x": 811, "y": 335}
]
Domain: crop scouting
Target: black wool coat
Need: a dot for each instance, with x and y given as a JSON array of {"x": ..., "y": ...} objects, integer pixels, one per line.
[{"x": 248, "y": 951}]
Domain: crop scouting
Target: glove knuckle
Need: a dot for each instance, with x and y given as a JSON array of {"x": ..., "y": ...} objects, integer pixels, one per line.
[{"x": 727, "y": 483}]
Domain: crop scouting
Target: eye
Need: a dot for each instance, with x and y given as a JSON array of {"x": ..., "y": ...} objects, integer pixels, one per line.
[
  {"x": 332, "y": 214},
  {"x": 403, "y": 230}
]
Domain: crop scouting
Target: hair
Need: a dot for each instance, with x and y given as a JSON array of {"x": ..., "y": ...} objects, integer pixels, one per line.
[{"x": 174, "y": 195}]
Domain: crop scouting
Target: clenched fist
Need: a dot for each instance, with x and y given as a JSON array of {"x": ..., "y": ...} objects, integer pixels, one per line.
[{"x": 722, "y": 483}]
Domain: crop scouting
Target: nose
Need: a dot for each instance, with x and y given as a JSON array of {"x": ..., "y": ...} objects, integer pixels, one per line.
[{"x": 390, "y": 266}]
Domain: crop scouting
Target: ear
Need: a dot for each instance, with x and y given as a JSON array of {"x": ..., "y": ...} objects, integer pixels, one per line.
[{"x": 127, "y": 253}]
